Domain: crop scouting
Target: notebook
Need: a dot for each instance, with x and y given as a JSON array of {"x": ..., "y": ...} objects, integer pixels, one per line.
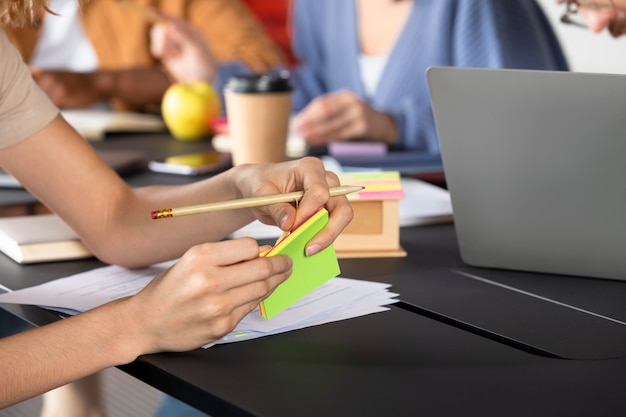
[
  {"x": 94, "y": 124},
  {"x": 40, "y": 238},
  {"x": 535, "y": 162}
]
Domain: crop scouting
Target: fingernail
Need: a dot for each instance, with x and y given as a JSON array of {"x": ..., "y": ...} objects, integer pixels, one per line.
[
  {"x": 313, "y": 249},
  {"x": 283, "y": 220}
]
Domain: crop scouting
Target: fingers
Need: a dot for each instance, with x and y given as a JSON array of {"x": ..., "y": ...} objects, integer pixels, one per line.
[
  {"x": 305, "y": 174},
  {"x": 340, "y": 215},
  {"x": 236, "y": 261},
  {"x": 165, "y": 42},
  {"x": 316, "y": 195},
  {"x": 203, "y": 296},
  {"x": 157, "y": 40},
  {"x": 239, "y": 281},
  {"x": 332, "y": 117},
  {"x": 183, "y": 51}
]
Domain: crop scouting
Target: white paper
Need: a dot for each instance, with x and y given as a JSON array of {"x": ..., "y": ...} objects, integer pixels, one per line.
[
  {"x": 337, "y": 299},
  {"x": 424, "y": 203},
  {"x": 84, "y": 291}
]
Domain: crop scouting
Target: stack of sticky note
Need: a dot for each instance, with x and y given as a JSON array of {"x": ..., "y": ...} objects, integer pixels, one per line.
[
  {"x": 375, "y": 228},
  {"x": 309, "y": 272}
]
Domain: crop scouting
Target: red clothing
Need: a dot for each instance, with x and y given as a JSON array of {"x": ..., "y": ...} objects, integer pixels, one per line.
[{"x": 275, "y": 15}]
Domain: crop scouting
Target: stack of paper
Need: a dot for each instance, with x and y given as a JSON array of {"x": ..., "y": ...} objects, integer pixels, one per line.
[
  {"x": 40, "y": 238},
  {"x": 424, "y": 203},
  {"x": 337, "y": 299}
]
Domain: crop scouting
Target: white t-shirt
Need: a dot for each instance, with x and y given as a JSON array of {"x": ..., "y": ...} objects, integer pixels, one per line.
[
  {"x": 62, "y": 42},
  {"x": 371, "y": 68}
]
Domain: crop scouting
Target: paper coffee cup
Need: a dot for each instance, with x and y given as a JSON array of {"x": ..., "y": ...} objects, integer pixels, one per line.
[{"x": 258, "y": 108}]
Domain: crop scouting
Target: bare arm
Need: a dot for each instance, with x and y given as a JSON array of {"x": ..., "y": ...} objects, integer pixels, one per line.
[
  {"x": 66, "y": 174},
  {"x": 198, "y": 300},
  {"x": 201, "y": 298}
]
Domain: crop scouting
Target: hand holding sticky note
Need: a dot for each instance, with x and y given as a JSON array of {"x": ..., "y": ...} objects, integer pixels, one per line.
[{"x": 309, "y": 272}]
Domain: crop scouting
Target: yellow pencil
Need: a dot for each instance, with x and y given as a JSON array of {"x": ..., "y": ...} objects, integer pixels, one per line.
[{"x": 248, "y": 202}]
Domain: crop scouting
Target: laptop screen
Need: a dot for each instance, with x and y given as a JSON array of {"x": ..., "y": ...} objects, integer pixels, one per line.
[{"x": 535, "y": 165}]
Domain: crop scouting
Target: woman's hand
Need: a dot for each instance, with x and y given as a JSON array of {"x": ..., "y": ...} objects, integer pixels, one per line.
[
  {"x": 205, "y": 294},
  {"x": 306, "y": 174},
  {"x": 183, "y": 51},
  {"x": 343, "y": 116}
]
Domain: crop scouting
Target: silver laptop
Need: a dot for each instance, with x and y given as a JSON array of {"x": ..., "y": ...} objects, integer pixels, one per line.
[{"x": 535, "y": 162}]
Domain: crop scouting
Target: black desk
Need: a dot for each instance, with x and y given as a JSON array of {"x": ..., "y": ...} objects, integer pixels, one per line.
[
  {"x": 552, "y": 315},
  {"x": 415, "y": 359}
]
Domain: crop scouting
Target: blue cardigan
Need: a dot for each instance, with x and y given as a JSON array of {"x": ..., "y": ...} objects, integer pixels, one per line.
[{"x": 469, "y": 33}]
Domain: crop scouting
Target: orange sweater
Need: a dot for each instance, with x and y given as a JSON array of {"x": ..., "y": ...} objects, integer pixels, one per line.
[{"x": 119, "y": 34}]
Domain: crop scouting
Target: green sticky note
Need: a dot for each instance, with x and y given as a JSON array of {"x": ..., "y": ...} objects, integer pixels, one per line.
[{"x": 309, "y": 272}]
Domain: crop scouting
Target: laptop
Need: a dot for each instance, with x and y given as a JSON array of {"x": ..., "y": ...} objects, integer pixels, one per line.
[{"x": 535, "y": 162}]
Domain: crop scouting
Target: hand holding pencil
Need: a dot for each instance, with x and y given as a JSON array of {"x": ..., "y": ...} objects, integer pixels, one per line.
[{"x": 244, "y": 185}]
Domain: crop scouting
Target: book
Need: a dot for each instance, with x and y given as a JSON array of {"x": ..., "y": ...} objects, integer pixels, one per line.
[
  {"x": 308, "y": 273},
  {"x": 40, "y": 238},
  {"x": 94, "y": 124}
]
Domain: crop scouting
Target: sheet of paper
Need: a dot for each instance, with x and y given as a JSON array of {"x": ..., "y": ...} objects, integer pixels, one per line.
[
  {"x": 424, "y": 203},
  {"x": 84, "y": 291},
  {"x": 337, "y": 299}
]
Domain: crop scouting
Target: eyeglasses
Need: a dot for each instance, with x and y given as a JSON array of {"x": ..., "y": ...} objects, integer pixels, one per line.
[{"x": 572, "y": 7}]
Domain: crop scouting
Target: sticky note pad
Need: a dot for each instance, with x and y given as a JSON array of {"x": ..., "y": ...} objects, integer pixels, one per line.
[{"x": 309, "y": 272}]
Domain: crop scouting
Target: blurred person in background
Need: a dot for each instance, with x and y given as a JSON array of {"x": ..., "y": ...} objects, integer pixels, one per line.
[
  {"x": 100, "y": 52},
  {"x": 596, "y": 15},
  {"x": 361, "y": 64}
]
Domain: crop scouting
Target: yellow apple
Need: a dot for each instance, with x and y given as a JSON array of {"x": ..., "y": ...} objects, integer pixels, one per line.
[{"x": 188, "y": 110}]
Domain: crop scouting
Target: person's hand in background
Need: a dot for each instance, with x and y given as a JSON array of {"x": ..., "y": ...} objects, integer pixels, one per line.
[
  {"x": 182, "y": 50},
  {"x": 343, "y": 116}
]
